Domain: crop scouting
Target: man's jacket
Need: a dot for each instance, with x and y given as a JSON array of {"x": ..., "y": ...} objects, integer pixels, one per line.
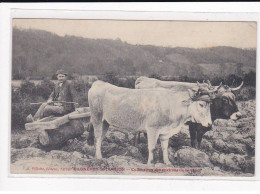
[{"x": 64, "y": 93}]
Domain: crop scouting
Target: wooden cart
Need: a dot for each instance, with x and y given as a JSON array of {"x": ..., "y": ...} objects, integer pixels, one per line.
[{"x": 54, "y": 131}]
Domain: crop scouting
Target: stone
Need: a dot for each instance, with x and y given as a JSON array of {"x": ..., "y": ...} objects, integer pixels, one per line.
[
  {"x": 25, "y": 139},
  {"x": 116, "y": 137},
  {"x": 233, "y": 162},
  {"x": 192, "y": 158},
  {"x": 25, "y": 153},
  {"x": 88, "y": 150}
]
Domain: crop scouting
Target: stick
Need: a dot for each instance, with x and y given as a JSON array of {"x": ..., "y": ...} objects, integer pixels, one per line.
[{"x": 32, "y": 103}]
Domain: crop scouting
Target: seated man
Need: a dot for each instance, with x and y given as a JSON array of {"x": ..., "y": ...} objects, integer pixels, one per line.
[{"x": 60, "y": 101}]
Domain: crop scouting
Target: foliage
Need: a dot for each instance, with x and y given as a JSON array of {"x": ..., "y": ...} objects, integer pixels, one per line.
[
  {"x": 156, "y": 76},
  {"x": 81, "y": 88},
  {"x": 21, "y": 99},
  {"x": 246, "y": 93},
  {"x": 45, "y": 88},
  {"x": 113, "y": 78},
  {"x": 37, "y": 53}
]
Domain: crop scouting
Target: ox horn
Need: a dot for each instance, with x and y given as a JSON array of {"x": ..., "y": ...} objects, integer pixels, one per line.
[
  {"x": 209, "y": 83},
  {"x": 216, "y": 88},
  {"x": 237, "y": 88}
]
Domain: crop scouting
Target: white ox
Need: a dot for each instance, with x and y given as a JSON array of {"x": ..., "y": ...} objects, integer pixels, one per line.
[
  {"x": 159, "y": 112},
  {"x": 145, "y": 83},
  {"x": 224, "y": 92}
]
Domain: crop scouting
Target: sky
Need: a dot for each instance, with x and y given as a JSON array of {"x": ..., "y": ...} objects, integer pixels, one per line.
[{"x": 158, "y": 33}]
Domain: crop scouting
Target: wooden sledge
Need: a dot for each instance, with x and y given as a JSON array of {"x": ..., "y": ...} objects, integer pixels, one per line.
[{"x": 54, "y": 131}]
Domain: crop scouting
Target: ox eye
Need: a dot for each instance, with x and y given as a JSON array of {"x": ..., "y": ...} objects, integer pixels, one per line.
[
  {"x": 225, "y": 100},
  {"x": 201, "y": 104}
]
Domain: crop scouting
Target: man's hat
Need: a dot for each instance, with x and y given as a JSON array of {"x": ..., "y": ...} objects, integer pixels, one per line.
[{"x": 61, "y": 71}]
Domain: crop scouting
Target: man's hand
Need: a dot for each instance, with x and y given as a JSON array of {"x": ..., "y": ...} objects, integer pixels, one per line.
[{"x": 49, "y": 101}]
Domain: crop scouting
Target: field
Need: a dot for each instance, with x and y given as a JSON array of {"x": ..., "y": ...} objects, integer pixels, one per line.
[{"x": 227, "y": 150}]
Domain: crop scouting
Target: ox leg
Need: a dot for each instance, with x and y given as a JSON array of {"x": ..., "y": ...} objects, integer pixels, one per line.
[
  {"x": 200, "y": 134},
  {"x": 164, "y": 143},
  {"x": 145, "y": 135},
  {"x": 152, "y": 140},
  {"x": 98, "y": 140},
  {"x": 100, "y": 132},
  {"x": 193, "y": 136},
  {"x": 91, "y": 136},
  {"x": 137, "y": 138}
]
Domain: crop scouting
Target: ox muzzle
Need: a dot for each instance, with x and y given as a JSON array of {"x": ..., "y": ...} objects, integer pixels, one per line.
[{"x": 235, "y": 116}]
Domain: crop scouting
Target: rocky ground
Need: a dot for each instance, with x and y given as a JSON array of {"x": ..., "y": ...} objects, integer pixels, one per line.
[{"x": 227, "y": 150}]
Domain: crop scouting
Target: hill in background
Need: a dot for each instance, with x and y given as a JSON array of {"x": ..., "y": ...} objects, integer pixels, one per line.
[{"x": 41, "y": 53}]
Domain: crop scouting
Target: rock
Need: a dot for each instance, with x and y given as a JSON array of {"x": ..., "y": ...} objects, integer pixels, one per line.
[
  {"x": 209, "y": 135},
  {"x": 60, "y": 155},
  {"x": 88, "y": 150},
  {"x": 116, "y": 137},
  {"x": 225, "y": 123},
  {"x": 124, "y": 161},
  {"x": 112, "y": 149},
  {"x": 233, "y": 162},
  {"x": 206, "y": 146},
  {"x": 74, "y": 145},
  {"x": 77, "y": 155},
  {"x": 236, "y": 137},
  {"x": 171, "y": 153},
  {"x": 25, "y": 153},
  {"x": 143, "y": 149},
  {"x": 135, "y": 153},
  {"x": 179, "y": 140},
  {"x": 219, "y": 144},
  {"x": 249, "y": 165},
  {"x": 192, "y": 158},
  {"x": 131, "y": 138},
  {"x": 93, "y": 163},
  {"x": 25, "y": 139},
  {"x": 216, "y": 171}
]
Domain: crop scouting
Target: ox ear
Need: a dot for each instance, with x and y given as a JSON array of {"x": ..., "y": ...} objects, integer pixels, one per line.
[
  {"x": 186, "y": 102},
  {"x": 191, "y": 93}
]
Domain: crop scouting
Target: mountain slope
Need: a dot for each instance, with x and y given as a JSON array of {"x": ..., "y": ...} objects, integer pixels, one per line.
[{"x": 41, "y": 53}]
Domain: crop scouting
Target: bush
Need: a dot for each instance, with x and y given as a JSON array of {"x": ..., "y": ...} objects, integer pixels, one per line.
[
  {"x": 81, "y": 88},
  {"x": 156, "y": 76},
  {"x": 113, "y": 78},
  {"x": 28, "y": 89},
  {"x": 44, "y": 89},
  {"x": 21, "y": 105},
  {"x": 246, "y": 93},
  {"x": 127, "y": 83},
  {"x": 110, "y": 77}
]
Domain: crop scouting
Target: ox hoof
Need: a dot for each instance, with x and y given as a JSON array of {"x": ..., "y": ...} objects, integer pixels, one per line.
[
  {"x": 98, "y": 157},
  {"x": 149, "y": 163},
  {"x": 168, "y": 163}
]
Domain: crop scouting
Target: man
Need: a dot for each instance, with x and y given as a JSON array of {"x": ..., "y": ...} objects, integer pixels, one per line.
[{"x": 59, "y": 102}]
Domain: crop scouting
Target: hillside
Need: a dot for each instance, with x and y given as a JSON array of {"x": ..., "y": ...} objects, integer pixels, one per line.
[{"x": 41, "y": 53}]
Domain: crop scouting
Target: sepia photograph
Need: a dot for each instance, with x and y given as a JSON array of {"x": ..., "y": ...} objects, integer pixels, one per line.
[{"x": 133, "y": 97}]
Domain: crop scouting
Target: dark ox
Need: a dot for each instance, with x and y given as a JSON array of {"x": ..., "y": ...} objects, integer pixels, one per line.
[
  {"x": 223, "y": 105},
  {"x": 159, "y": 112}
]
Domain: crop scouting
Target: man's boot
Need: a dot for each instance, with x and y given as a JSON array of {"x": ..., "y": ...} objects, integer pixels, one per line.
[{"x": 29, "y": 118}]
